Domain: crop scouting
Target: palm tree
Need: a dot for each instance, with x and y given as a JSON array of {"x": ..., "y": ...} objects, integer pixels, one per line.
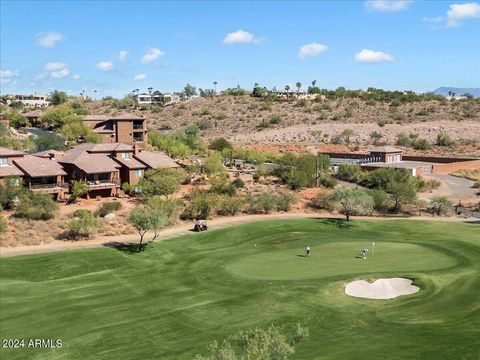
[
  {"x": 287, "y": 87},
  {"x": 298, "y": 85},
  {"x": 314, "y": 82},
  {"x": 150, "y": 90},
  {"x": 215, "y": 86}
]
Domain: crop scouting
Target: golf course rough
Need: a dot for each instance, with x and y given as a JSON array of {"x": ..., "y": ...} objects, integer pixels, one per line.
[{"x": 171, "y": 300}]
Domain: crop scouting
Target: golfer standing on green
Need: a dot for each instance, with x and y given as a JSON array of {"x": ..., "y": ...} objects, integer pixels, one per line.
[{"x": 307, "y": 251}]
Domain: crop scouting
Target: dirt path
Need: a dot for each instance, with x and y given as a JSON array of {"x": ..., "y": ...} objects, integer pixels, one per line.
[{"x": 184, "y": 229}]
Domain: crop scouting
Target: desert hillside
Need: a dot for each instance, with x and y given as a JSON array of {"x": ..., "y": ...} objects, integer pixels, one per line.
[{"x": 245, "y": 119}]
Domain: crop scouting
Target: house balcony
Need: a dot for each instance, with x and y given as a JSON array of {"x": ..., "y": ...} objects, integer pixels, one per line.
[
  {"x": 103, "y": 184},
  {"x": 49, "y": 188}
]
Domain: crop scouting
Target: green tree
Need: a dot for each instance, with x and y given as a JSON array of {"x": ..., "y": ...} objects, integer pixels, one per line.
[
  {"x": 58, "y": 97},
  {"x": 189, "y": 91},
  {"x": 220, "y": 144},
  {"x": 214, "y": 164},
  {"x": 353, "y": 202},
  {"x": 17, "y": 120},
  {"x": 161, "y": 181},
  {"x": 141, "y": 220},
  {"x": 298, "y": 85},
  {"x": 10, "y": 189},
  {"x": 48, "y": 141},
  {"x": 77, "y": 131},
  {"x": 163, "y": 212},
  {"x": 78, "y": 189},
  {"x": 57, "y": 117},
  {"x": 36, "y": 206},
  {"x": 402, "y": 192}
]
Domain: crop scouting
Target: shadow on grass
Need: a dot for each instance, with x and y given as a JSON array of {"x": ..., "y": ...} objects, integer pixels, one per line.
[
  {"x": 339, "y": 223},
  {"x": 129, "y": 248}
]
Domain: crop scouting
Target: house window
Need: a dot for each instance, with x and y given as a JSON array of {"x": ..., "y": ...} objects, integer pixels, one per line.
[
  {"x": 3, "y": 162},
  {"x": 138, "y": 137},
  {"x": 124, "y": 155},
  {"x": 138, "y": 173}
]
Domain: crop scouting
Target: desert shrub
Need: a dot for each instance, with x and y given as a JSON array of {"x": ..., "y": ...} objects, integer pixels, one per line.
[
  {"x": 426, "y": 185},
  {"x": 285, "y": 200},
  {"x": 82, "y": 224},
  {"x": 275, "y": 119},
  {"x": 3, "y": 224},
  {"x": 443, "y": 139},
  {"x": 230, "y": 205},
  {"x": 328, "y": 181},
  {"x": 238, "y": 183},
  {"x": 403, "y": 140},
  {"x": 381, "y": 200},
  {"x": 36, "y": 206},
  {"x": 352, "y": 173},
  {"x": 161, "y": 181},
  {"x": 79, "y": 188},
  {"x": 476, "y": 185},
  {"x": 202, "y": 204},
  {"x": 323, "y": 201},
  {"x": 109, "y": 207},
  {"x": 421, "y": 144},
  {"x": 204, "y": 124},
  {"x": 353, "y": 202},
  {"x": 17, "y": 120},
  {"x": 266, "y": 202},
  {"x": 441, "y": 205},
  {"x": 220, "y": 185},
  {"x": 220, "y": 144}
]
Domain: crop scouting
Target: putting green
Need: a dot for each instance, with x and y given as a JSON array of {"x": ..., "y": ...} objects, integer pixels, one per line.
[{"x": 332, "y": 259}]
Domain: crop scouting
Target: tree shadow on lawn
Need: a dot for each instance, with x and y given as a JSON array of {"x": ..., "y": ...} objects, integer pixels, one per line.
[
  {"x": 129, "y": 248},
  {"x": 339, "y": 223}
]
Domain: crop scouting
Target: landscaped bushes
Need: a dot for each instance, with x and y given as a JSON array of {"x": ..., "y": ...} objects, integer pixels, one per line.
[
  {"x": 36, "y": 206},
  {"x": 82, "y": 224},
  {"x": 230, "y": 205},
  {"x": 270, "y": 200},
  {"x": 108, "y": 207}
]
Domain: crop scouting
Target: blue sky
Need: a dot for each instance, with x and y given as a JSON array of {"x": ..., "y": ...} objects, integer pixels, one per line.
[{"x": 117, "y": 46}]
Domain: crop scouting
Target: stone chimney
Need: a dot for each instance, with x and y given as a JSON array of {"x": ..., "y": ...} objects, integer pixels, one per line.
[{"x": 136, "y": 149}]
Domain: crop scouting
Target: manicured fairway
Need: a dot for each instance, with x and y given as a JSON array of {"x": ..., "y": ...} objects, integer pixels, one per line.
[{"x": 173, "y": 299}]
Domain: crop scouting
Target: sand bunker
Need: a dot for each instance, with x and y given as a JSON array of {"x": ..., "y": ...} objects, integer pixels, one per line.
[{"x": 381, "y": 288}]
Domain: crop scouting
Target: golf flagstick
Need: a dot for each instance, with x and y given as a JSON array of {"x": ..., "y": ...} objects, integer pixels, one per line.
[{"x": 373, "y": 248}]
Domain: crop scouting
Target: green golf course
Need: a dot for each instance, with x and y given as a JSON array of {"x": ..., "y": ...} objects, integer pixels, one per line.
[{"x": 177, "y": 296}]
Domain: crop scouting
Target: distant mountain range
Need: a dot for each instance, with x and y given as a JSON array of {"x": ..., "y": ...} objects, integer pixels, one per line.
[{"x": 458, "y": 91}]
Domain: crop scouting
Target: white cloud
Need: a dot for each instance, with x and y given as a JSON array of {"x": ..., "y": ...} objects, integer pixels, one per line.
[
  {"x": 311, "y": 50},
  {"x": 49, "y": 40},
  {"x": 76, "y": 77},
  {"x": 140, "y": 77},
  {"x": 123, "y": 55},
  {"x": 242, "y": 37},
  {"x": 52, "y": 66},
  {"x": 105, "y": 65},
  {"x": 152, "y": 55},
  {"x": 4, "y": 74},
  {"x": 387, "y": 5},
  {"x": 461, "y": 12},
  {"x": 56, "y": 70},
  {"x": 433, "y": 19},
  {"x": 367, "y": 56}
]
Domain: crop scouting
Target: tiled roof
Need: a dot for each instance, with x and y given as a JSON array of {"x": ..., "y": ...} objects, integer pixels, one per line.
[
  {"x": 94, "y": 117},
  {"x": 99, "y": 148},
  {"x": 156, "y": 160},
  {"x": 91, "y": 163},
  {"x": 48, "y": 153},
  {"x": 35, "y": 166},
  {"x": 10, "y": 170},
  {"x": 127, "y": 117},
  {"x": 9, "y": 152},
  {"x": 131, "y": 163}
]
